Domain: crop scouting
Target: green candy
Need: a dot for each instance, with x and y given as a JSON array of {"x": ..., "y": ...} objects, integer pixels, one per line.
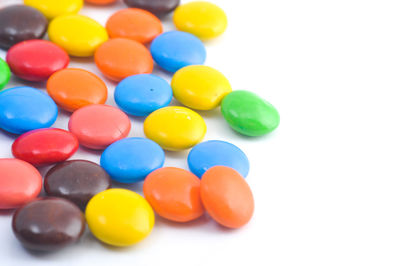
[
  {"x": 4, "y": 74},
  {"x": 248, "y": 114}
]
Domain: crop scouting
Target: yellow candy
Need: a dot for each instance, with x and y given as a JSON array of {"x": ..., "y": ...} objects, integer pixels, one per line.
[
  {"x": 78, "y": 35},
  {"x": 175, "y": 128},
  {"x": 200, "y": 87},
  {"x": 55, "y": 8},
  {"x": 119, "y": 217},
  {"x": 203, "y": 19}
]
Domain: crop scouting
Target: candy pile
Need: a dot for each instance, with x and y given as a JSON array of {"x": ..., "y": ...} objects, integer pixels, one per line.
[{"x": 215, "y": 183}]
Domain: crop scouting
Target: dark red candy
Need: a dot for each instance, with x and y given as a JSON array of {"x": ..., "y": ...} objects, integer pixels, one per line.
[
  {"x": 76, "y": 180},
  {"x": 157, "y": 7},
  {"x": 45, "y": 146}
]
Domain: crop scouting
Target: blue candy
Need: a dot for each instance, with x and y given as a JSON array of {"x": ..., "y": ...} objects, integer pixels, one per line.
[
  {"x": 142, "y": 94},
  {"x": 216, "y": 152},
  {"x": 176, "y": 49},
  {"x": 132, "y": 159},
  {"x": 24, "y": 108}
]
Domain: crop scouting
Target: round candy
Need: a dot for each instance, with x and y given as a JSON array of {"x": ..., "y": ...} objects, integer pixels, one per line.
[
  {"x": 176, "y": 49},
  {"x": 132, "y": 159},
  {"x": 227, "y": 197},
  {"x": 20, "y": 183},
  {"x": 120, "y": 58},
  {"x": 77, "y": 181},
  {"x": 158, "y": 7},
  {"x": 97, "y": 126},
  {"x": 200, "y": 87},
  {"x": 77, "y": 34},
  {"x": 203, "y": 19},
  {"x": 100, "y": 2},
  {"x": 140, "y": 95},
  {"x": 23, "y": 109},
  {"x": 175, "y": 128},
  {"x": 74, "y": 88},
  {"x": 211, "y": 153},
  {"x": 119, "y": 217},
  {"x": 135, "y": 24},
  {"x": 20, "y": 23},
  {"x": 174, "y": 194},
  {"x": 36, "y": 60},
  {"x": 248, "y": 114},
  {"x": 5, "y": 74},
  {"x": 45, "y": 146},
  {"x": 52, "y": 9},
  {"x": 48, "y": 224}
]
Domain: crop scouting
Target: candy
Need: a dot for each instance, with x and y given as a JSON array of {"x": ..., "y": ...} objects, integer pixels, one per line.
[
  {"x": 20, "y": 23},
  {"x": 74, "y": 88},
  {"x": 142, "y": 94},
  {"x": 45, "y": 146},
  {"x": 135, "y": 24},
  {"x": 96, "y": 126},
  {"x": 48, "y": 224},
  {"x": 175, "y": 128},
  {"x": 5, "y": 74},
  {"x": 77, "y": 181},
  {"x": 100, "y": 2},
  {"x": 200, "y": 87},
  {"x": 203, "y": 19},
  {"x": 120, "y": 58},
  {"x": 132, "y": 159},
  {"x": 158, "y": 7},
  {"x": 119, "y": 217},
  {"x": 78, "y": 35},
  {"x": 227, "y": 197},
  {"x": 23, "y": 109},
  {"x": 211, "y": 153},
  {"x": 52, "y": 9},
  {"x": 248, "y": 114},
  {"x": 176, "y": 49},
  {"x": 36, "y": 60},
  {"x": 174, "y": 194}
]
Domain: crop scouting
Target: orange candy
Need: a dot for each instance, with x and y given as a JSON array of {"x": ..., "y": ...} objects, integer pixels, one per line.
[
  {"x": 135, "y": 24},
  {"x": 73, "y": 88},
  {"x": 100, "y": 2},
  {"x": 120, "y": 58},
  {"x": 226, "y": 196},
  {"x": 174, "y": 194}
]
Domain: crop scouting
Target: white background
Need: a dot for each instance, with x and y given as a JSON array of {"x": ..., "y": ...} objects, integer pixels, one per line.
[{"x": 326, "y": 182}]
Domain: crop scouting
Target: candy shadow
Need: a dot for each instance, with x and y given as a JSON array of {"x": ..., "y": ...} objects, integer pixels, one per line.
[{"x": 8, "y": 212}]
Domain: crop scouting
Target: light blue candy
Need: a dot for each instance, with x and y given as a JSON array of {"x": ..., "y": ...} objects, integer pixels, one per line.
[
  {"x": 24, "y": 109},
  {"x": 142, "y": 94},
  {"x": 176, "y": 49},
  {"x": 132, "y": 159},
  {"x": 211, "y": 153}
]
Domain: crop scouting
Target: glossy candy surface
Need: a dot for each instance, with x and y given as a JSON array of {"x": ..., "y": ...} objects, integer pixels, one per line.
[
  {"x": 100, "y": 2},
  {"x": 5, "y": 74},
  {"x": 132, "y": 159},
  {"x": 24, "y": 109},
  {"x": 135, "y": 24},
  {"x": 211, "y": 153},
  {"x": 20, "y": 23},
  {"x": 227, "y": 197},
  {"x": 98, "y": 125},
  {"x": 45, "y": 146},
  {"x": 119, "y": 217},
  {"x": 120, "y": 58},
  {"x": 48, "y": 224},
  {"x": 142, "y": 94},
  {"x": 158, "y": 7},
  {"x": 74, "y": 88},
  {"x": 248, "y": 114},
  {"x": 78, "y": 35},
  {"x": 36, "y": 60},
  {"x": 77, "y": 181},
  {"x": 203, "y": 19},
  {"x": 200, "y": 87},
  {"x": 175, "y": 128},
  {"x": 174, "y": 194},
  {"x": 176, "y": 49},
  {"x": 52, "y": 9}
]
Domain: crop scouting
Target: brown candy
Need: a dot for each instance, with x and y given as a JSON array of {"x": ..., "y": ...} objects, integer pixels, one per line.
[{"x": 157, "y": 7}]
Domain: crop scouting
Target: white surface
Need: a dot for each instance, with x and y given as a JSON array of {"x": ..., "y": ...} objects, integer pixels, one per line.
[{"x": 326, "y": 183}]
